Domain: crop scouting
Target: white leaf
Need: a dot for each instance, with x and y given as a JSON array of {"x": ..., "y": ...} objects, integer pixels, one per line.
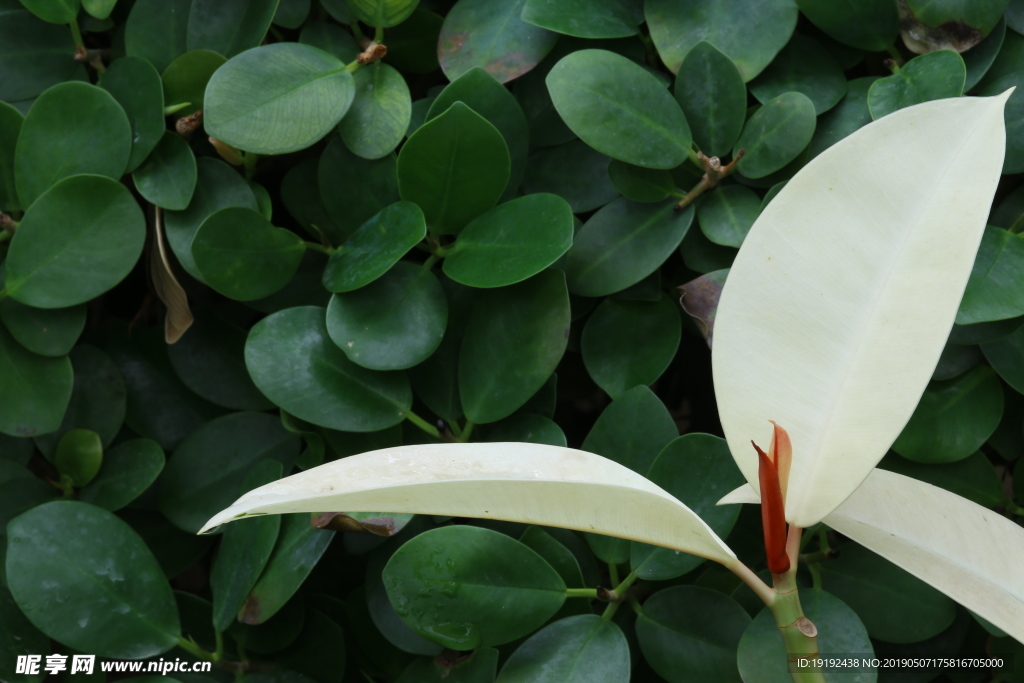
[
  {"x": 519, "y": 482},
  {"x": 970, "y": 553},
  {"x": 844, "y": 292}
]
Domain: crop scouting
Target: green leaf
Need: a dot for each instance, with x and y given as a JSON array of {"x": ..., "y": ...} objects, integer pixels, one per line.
[
  {"x": 375, "y": 247},
  {"x": 775, "y": 134},
  {"x": 619, "y": 109},
  {"x": 893, "y": 605},
  {"x": 466, "y": 587},
  {"x": 528, "y": 428},
  {"x": 173, "y": 549},
  {"x": 185, "y": 79},
  {"x": 128, "y": 470},
  {"x": 46, "y": 331},
  {"x": 581, "y": 18},
  {"x": 982, "y": 56},
  {"x": 712, "y": 95},
  {"x": 79, "y": 456},
  {"x": 298, "y": 549},
  {"x": 10, "y": 127},
  {"x": 382, "y": 13},
  {"x": 207, "y": 469},
  {"x": 514, "y": 339},
  {"x": 628, "y": 343},
  {"x": 319, "y": 651},
  {"x": 228, "y": 26},
  {"x": 412, "y": 46},
  {"x": 34, "y": 55},
  {"x": 243, "y": 256},
  {"x": 511, "y": 242},
  {"x": 218, "y": 186},
  {"x": 109, "y": 598},
  {"x": 354, "y": 189},
  {"x": 956, "y": 360},
  {"x": 575, "y": 172},
  {"x": 762, "y": 654},
  {"x": 54, "y": 11},
  {"x": 641, "y": 184},
  {"x": 136, "y": 86},
  {"x": 435, "y": 380},
  {"x": 492, "y": 36},
  {"x": 580, "y": 648},
  {"x": 393, "y": 323},
  {"x": 992, "y": 292},
  {"x": 167, "y": 177},
  {"x": 99, "y": 9},
  {"x": 157, "y": 30},
  {"x": 244, "y": 551},
  {"x": 454, "y": 167},
  {"x": 698, "y": 470},
  {"x": 81, "y": 237},
  {"x": 868, "y": 24},
  {"x": 273, "y": 635},
  {"x": 479, "y": 91},
  {"x": 481, "y": 667},
  {"x": 333, "y": 39},
  {"x": 296, "y": 365},
  {"x": 727, "y": 213},
  {"x": 849, "y": 115},
  {"x": 379, "y": 116},
  {"x": 802, "y": 66},
  {"x": 72, "y": 128},
  {"x": 1006, "y": 356},
  {"x": 675, "y": 638},
  {"x": 934, "y": 76},
  {"x": 622, "y": 244},
  {"x": 554, "y": 553},
  {"x": 1013, "y": 117},
  {"x": 632, "y": 430},
  {"x": 19, "y": 637},
  {"x": 953, "y": 419},
  {"x": 277, "y": 98},
  {"x": 751, "y": 35},
  {"x": 979, "y": 16}
]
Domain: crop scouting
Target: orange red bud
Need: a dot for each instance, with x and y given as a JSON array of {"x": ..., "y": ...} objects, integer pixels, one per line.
[{"x": 773, "y": 512}]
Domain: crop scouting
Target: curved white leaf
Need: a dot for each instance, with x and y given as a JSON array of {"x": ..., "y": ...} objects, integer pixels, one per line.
[
  {"x": 843, "y": 294},
  {"x": 519, "y": 482},
  {"x": 970, "y": 553}
]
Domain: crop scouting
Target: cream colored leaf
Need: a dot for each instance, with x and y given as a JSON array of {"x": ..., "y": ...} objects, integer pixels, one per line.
[
  {"x": 179, "y": 316},
  {"x": 844, "y": 291},
  {"x": 519, "y": 482},
  {"x": 970, "y": 553}
]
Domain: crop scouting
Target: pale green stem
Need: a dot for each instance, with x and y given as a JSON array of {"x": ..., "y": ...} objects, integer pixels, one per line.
[
  {"x": 194, "y": 650},
  {"x": 318, "y": 247},
  {"x": 429, "y": 263},
  {"x": 581, "y": 593},
  {"x": 76, "y": 34},
  {"x": 422, "y": 424},
  {"x": 378, "y": 35},
  {"x": 467, "y": 431}
]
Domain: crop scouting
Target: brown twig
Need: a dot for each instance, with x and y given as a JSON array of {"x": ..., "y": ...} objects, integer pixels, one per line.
[{"x": 714, "y": 171}]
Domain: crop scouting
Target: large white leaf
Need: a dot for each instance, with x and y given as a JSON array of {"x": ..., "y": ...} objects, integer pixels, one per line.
[
  {"x": 520, "y": 482},
  {"x": 970, "y": 553},
  {"x": 843, "y": 294}
]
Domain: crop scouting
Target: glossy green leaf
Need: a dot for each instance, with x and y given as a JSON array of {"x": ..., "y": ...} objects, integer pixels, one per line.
[
  {"x": 277, "y": 98},
  {"x": 18, "y": 637},
  {"x": 576, "y": 649},
  {"x": 1006, "y": 356},
  {"x": 228, "y": 26},
  {"x": 185, "y": 79},
  {"x": 72, "y": 128},
  {"x": 379, "y": 116},
  {"x": 511, "y": 242},
  {"x": 128, "y": 470},
  {"x": 762, "y": 654},
  {"x": 218, "y": 186},
  {"x": 111, "y": 599},
  {"x": 622, "y": 244},
  {"x": 632, "y": 430},
  {"x": 992, "y": 291},
  {"x": 167, "y": 178},
  {"x": 554, "y": 553},
  {"x": 435, "y": 380},
  {"x": 466, "y": 587},
  {"x": 383, "y": 13},
  {"x": 849, "y": 115},
  {"x": 580, "y": 18},
  {"x": 99, "y": 9},
  {"x": 978, "y": 16},
  {"x": 173, "y": 549},
  {"x": 616, "y": 107},
  {"x": 46, "y": 331},
  {"x": 1014, "y": 119},
  {"x": 244, "y": 551},
  {"x": 54, "y": 11},
  {"x": 575, "y": 172},
  {"x": 273, "y": 635},
  {"x": 393, "y": 323},
  {"x": 333, "y": 39},
  {"x": 412, "y": 45},
  {"x": 157, "y": 31},
  {"x": 982, "y": 56},
  {"x": 955, "y": 360},
  {"x": 953, "y": 419},
  {"x": 78, "y": 240},
  {"x": 136, "y": 86},
  {"x": 527, "y": 428},
  {"x": 354, "y": 189},
  {"x": 243, "y": 256},
  {"x": 806, "y": 67},
  {"x": 481, "y": 667},
  {"x": 641, "y": 184},
  {"x": 299, "y": 547},
  {"x": 10, "y": 126},
  {"x": 296, "y": 365},
  {"x": 515, "y": 337},
  {"x": 34, "y": 56},
  {"x": 454, "y": 167},
  {"x": 868, "y": 24},
  {"x": 492, "y": 36},
  {"x": 775, "y": 134},
  {"x": 674, "y": 635},
  {"x": 207, "y": 469},
  {"x": 697, "y": 470},
  {"x": 628, "y": 343},
  {"x": 933, "y": 76},
  {"x": 750, "y": 35},
  {"x": 712, "y": 95},
  {"x": 319, "y": 651},
  {"x": 375, "y": 247},
  {"x": 79, "y": 456},
  {"x": 727, "y": 214}
]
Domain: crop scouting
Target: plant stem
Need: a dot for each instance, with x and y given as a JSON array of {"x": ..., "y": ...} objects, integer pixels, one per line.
[
  {"x": 896, "y": 56},
  {"x": 357, "y": 32},
  {"x": 194, "y": 650},
  {"x": 760, "y": 588},
  {"x": 714, "y": 171},
  {"x": 318, "y": 247},
  {"x": 799, "y": 634},
  {"x": 422, "y": 424},
  {"x": 467, "y": 431},
  {"x": 219, "y": 652},
  {"x": 378, "y": 34},
  {"x": 1010, "y": 505},
  {"x": 429, "y": 263},
  {"x": 695, "y": 158},
  {"x": 581, "y": 593},
  {"x": 76, "y": 34},
  {"x": 613, "y": 573}
]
